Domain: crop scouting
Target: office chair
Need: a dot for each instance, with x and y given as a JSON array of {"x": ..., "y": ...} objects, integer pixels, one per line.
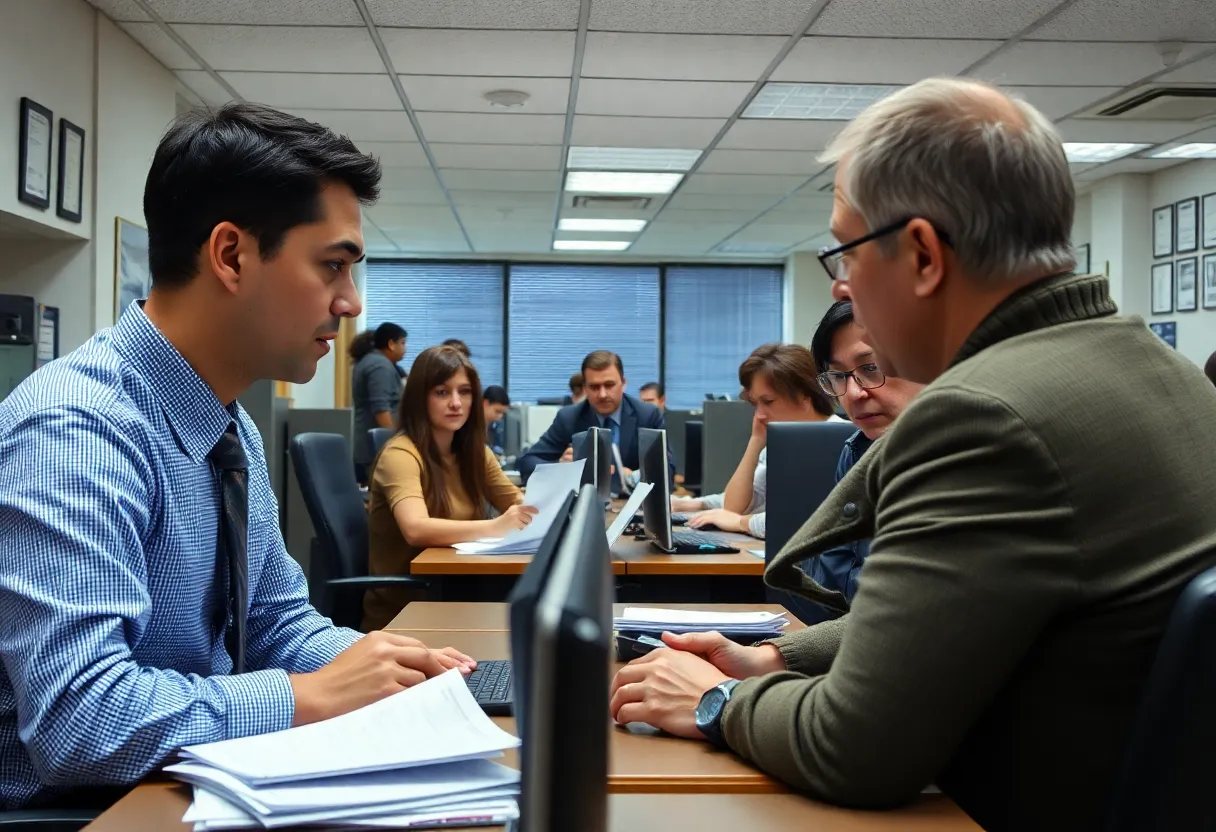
[
  {"x": 376, "y": 437},
  {"x": 339, "y": 517},
  {"x": 1166, "y": 777},
  {"x": 46, "y": 820}
]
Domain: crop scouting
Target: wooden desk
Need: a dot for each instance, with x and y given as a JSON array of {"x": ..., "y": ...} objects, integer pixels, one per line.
[
  {"x": 472, "y": 616},
  {"x": 158, "y": 807},
  {"x": 452, "y": 562}
]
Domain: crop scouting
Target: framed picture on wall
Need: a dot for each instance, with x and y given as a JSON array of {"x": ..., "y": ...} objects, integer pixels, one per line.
[
  {"x": 1163, "y": 231},
  {"x": 1186, "y": 226},
  {"x": 71, "y": 171},
  {"x": 1188, "y": 298},
  {"x": 1209, "y": 281},
  {"x": 1208, "y": 211},
  {"x": 34, "y": 155},
  {"x": 132, "y": 274},
  {"x": 1163, "y": 289},
  {"x": 1081, "y": 254}
]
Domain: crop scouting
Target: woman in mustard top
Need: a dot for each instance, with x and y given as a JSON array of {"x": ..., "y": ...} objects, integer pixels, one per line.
[{"x": 434, "y": 482}]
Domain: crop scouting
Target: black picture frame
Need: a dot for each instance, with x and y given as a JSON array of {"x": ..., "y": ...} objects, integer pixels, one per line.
[
  {"x": 1161, "y": 273},
  {"x": 30, "y": 108},
  {"x": 1163, "y": 243},
  {"x": 1187, "y": 300},
  {"x": 1193, "y": 203},
  {"x": 1207, "y": 232},
  {"x": 67, "y": 129},
  {"x": 1208, "y": 280}
]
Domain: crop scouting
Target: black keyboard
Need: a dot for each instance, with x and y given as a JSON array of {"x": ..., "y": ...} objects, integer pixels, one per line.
[
  {"x": 679, "y": 518},
  {"x": 699, "y": 543},
  {"x": 490, "y": 685}
]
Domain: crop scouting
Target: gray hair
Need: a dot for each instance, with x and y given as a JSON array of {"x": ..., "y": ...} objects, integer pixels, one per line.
[{"x": 984, "y": 167}]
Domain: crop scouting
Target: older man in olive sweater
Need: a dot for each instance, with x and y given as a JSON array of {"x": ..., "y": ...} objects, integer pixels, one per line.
[{"x": 1035, "y": 512}]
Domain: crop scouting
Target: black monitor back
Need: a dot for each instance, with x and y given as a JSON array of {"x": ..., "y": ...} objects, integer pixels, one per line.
[
  {"x": 595, "y": 446},
  {"x": 694, "y": 430},
  {"x": 656, "y": 508}
]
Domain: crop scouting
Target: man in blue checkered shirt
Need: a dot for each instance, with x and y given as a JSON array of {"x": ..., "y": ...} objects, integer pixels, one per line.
[{"x": 110, "y": 582}]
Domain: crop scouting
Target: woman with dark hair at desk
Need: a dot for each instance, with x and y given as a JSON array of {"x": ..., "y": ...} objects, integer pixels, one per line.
[{"x": 432, "y": 482}]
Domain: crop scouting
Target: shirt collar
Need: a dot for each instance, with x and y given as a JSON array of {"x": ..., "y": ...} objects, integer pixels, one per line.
[
  {"x": 195, "y": 414},
  {"x": 616, "y": 416}
]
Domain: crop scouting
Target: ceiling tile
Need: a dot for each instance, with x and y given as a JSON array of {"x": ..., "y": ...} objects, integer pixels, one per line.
[
  {"x": 283, "y": 48},
  {"x": 159, "y": 45},
  {"x": 1032, "y": 63},
  {"x": 772, "y": 17},
  {"x": 761, "y": 161},
  {"x": 678, "y": 57},
  {"x": 318, "y": 91},
  {"x": 204, "y": 86},
  {"x": 1133, "y": 165},
  {"x": 929, "y": 18},
  {"x": 685, "y": 216},
  {"x": 120, "y": 9},
  {"x": 260, "y": 12},
  {"x": 694, "y": 201},
  {"x": 497, "y": 156},
  {"x": 389, "y": 217},
  {"x": 364, "y": 125},
  {"x": 1132, "y": 20},
  {"x": 1200, "y": 72},
  {"x": 503, "y": 199},
  {"x": 397, "y": 179},
  {"x": 614, "y": 131},
  {"x": 878, "y": 61},
  {"x": 467, "y": 128},
  {"x": 1118, "y": 130},
  {"x": 780, "y": 134},
  {"x": 473, "y": 52},
  {"x": 396, "y": 154},
  {"x": 1057, "y": 102},
  {"x": 476, "y": 14},
  {"x": 694, "y": 99},
  {"x": 465, "y": 94},
  {"x": 520, "y": 214},
  {"x": 431, "y": 195},
  {"x": 511, "y": 237},
  {"x": 374, "y": 240},
  {"x": 725, "y": 183},
  {"x": 502, "y": 180}
]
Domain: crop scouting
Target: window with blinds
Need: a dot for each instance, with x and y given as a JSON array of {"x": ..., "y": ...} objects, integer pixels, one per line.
[
  {"x": 437, "y": 301},
  {"x": 560, "y": 312},
  {"x": 716, "y": 315}
]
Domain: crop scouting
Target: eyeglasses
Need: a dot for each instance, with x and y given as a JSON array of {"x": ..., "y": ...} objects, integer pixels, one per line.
[
  {"x": 866, "y": 377},
  {"x": 832, "y": 259}
]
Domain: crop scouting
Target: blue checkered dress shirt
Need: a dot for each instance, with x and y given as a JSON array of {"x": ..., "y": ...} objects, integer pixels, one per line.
[{"x": 108, "y": 575}]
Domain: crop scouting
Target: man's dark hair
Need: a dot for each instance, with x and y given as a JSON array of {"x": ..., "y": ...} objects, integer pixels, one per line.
[
  {"x": 839, "y": 314},
  {"x": 386, "y": 333},
  {"x": 602, "y": 360},
  {"x": 456, "y": 343},
  {"x": 655, "y": 386},
  {"x": 1209, "y": 369},
  {"x": 495, "y": 395},
  {"x": 248, "y": 164}
]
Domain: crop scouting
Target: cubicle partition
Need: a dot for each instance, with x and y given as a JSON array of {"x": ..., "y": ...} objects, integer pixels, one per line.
[
  {"x": 675, "y": 421},
  {"x": 728, "y": 426},
  {"x": 269, "y": 412},
  {"x": 536, "y": 420}
]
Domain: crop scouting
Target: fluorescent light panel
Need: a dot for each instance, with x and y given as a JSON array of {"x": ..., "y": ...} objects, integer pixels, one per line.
[
  {"x": 580, "y": 224},
  {"x": 591, "y": 245},
  {"x": 621, "y": 182},
  {"x": 826, "y": 102},
  {"x": 1081, "y": 152},
  {"x": 631, "y": 158},
  {"x": 1193, "y": 150}
]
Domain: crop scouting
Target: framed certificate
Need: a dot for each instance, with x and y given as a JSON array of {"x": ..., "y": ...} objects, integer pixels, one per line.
[
  {"x": 71, "y": 170},
  {"x": 1163, "y": 231},
  {"x": 34, "y": 155},
  {"x": 1081, "y": 255},
  {"x": 1209, "y": 281},
  {"x": 1188, "y": 298},
  {"x": 1163, "y": 288},
  {"x": 1209, "y": 220},
  {"x": 1186, "y": 226}
]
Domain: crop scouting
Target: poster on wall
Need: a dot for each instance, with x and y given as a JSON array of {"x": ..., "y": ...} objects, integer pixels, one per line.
[
  {"x": 1186, "y": 224},
  {"x": 1209, "y": 281},
  {"x": 1209, "y": 220},
  {"x": 1167, "y": 331},
  {"x": 1188, "y": 297},
  {"x": 1163, "y": 231},
  {"x": 132, "y": 274},
  {"x": 1163, "y": 289}
]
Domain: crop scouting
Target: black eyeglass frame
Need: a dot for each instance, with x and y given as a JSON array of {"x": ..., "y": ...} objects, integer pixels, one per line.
[
  {"x": 833, "y": 254},
  {"x": 851, "y": 374}
]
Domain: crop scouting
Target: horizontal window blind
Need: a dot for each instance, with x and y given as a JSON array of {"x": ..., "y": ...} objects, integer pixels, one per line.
[
  {"x": 437, "y": 301},
  {"x": 716, "y": 315},
  {"x": 560, "y": 312}
]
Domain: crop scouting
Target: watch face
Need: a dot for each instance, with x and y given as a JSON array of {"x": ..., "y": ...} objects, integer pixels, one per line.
[{"x": 710, "y": 706}]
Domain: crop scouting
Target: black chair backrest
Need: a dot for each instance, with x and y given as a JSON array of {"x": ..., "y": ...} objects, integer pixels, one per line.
[
  {"x": 376, "y": 437},
  {"x": 1170, "y": 760},
  {"x": 693, "y": 454},
  {"x": 334, "y": 502}
]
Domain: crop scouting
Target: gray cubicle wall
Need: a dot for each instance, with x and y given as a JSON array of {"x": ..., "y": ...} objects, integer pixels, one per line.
[
  {"x": 728, "y": 426},
  {"x": 299, "y": 526},
  {"x": 675, "y": 421},
  {"x": 269, "y": 413}
]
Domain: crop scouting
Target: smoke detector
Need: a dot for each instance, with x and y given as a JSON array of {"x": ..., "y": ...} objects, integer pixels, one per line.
[{"x": 510, "y": 99}]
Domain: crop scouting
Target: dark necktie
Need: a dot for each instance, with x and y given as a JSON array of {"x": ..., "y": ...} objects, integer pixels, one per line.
[{"x": 228, "y": 457}]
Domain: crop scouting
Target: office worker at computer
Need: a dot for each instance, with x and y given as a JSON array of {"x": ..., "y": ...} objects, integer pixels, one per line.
[
  {"x": 494, "y": 405},
  {"x": 653, "y": 393},
  {"x": 1034, "y": 514},
  {"x": 607, "y": 406},
  {"x": 149, "y": 602},
  {"x": 434, "y": 478},
  {"x": 375, "y": 387},
  {"x": 779, "y": 380}
]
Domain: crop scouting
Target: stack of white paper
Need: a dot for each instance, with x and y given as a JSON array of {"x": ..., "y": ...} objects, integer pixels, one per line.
[
  {"x": 646, "y": 619},
  {"x": 547, "y": 490},
  {"x": 419, "y": 758}
]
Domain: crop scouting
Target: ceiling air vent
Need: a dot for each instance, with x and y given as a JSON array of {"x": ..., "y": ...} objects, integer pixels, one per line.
[
  {"x": 1164, "y": 104},
  {"x": 619, "y": 203}
]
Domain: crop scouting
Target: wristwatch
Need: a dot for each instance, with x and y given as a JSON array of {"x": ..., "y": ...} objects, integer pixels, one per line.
[{"x": 710, "y": 708}]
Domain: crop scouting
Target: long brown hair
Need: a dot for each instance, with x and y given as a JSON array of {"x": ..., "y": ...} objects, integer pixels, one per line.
[
  {"x": 435, "y": 366},
  {"x": 790, "y": 369}
]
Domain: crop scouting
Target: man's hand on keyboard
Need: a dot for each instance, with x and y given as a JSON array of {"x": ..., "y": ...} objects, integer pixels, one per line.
[{"x": 451, "y": 658}]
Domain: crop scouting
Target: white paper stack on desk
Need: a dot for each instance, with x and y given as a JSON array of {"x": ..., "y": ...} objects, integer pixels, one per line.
[
  {"x": 419, "y": 758},
  {"x": 547, "y": 490},
  {"x": 648, "y": 620}
]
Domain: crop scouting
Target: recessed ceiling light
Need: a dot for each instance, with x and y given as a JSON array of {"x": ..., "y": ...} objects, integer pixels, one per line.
[
  {"x": 621, "y": 182},
  {"x": 1194, "y": 150},
  {"x": 591, "y": 245},
  {"x": 631, "y": 158},
  {"x": 578, "y": 224},
  {"x": 1099, "y": 151},
  {"x": 829, "y": 102},
  {"x": 751, "y": 248}
]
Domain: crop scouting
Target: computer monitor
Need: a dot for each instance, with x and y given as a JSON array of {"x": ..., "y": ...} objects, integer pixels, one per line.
[
  {"x": 656, "y": 508},
  {"x": 595, "y": 446},
  {"x": 562, "y": 646},
  {"x": 693, "y": 431}
]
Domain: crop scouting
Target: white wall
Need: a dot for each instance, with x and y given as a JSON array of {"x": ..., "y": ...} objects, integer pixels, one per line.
[
  {"x": 1081, "y": 222},
  {"x": 808, "y": 294}
]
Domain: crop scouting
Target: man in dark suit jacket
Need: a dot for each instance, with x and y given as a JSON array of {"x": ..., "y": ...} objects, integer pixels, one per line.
[{"x": 606, "y": 406}]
